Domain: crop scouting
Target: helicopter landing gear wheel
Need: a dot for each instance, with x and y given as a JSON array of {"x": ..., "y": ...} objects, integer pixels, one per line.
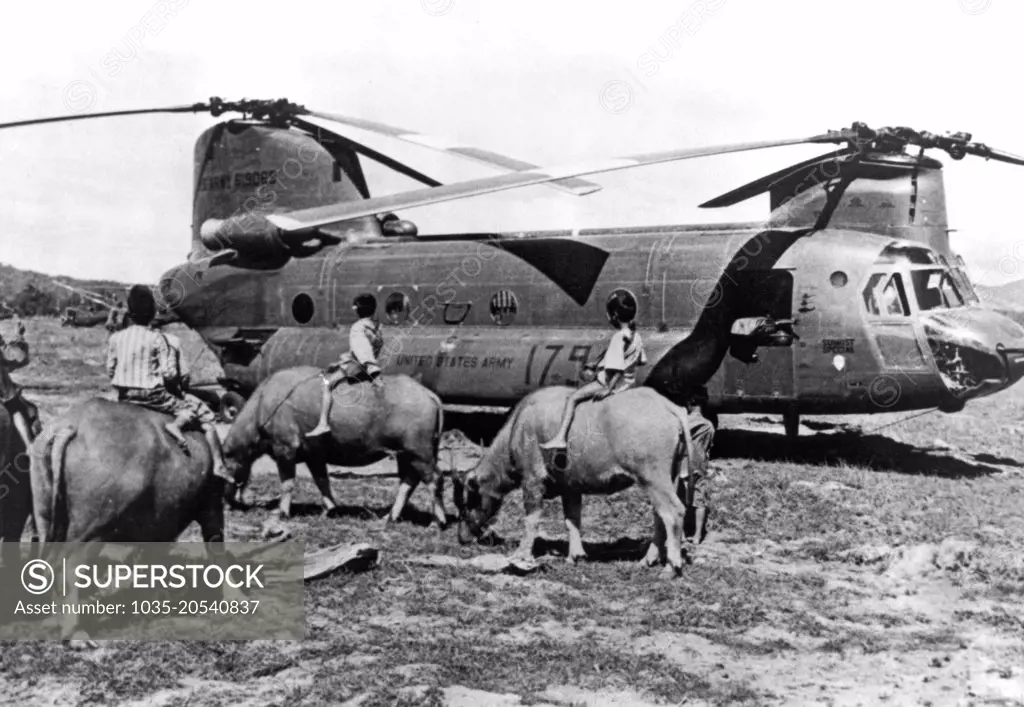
[{"x": 230, "y": 405}]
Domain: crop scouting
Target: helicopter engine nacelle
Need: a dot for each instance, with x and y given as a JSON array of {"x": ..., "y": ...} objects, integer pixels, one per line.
[{"x": 255, "y": 238}]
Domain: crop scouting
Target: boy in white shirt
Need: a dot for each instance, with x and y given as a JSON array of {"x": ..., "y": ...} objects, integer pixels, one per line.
[{"x": 615, "y": 372}]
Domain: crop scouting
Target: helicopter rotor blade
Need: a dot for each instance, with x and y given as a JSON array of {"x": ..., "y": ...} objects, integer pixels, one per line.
[
  {"x": 194, "y": 108},
  {"x": 865, "y": 141},
  {"x": 983, "y": 150},
  {"x": 793, "y": 172},
  {"x": 374, "y": 155},
  {"x": 316, "y": 217},
  {"x": 578, "y": 187}
]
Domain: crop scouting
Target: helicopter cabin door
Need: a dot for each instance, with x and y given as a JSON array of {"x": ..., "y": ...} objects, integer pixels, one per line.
[{"x": 770, "y": 380}]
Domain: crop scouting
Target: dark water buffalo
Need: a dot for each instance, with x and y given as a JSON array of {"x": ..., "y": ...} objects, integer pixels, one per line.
[
  {"x": 15, "y": 488},
  {"x": 107, "y": 471},
  {"x": 633, "y": 437},
  {"x": 368, "y": 423}
]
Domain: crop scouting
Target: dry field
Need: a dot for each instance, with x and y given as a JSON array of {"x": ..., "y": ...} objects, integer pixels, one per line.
[{"x": 870, "y": 566}]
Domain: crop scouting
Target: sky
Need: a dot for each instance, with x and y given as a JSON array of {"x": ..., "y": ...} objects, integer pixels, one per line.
[{"x": 545, "y": 81}]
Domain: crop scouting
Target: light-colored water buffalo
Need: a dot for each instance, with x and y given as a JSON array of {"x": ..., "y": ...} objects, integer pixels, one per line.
[
  {"x": 368, "y": 424},
  {"x": 107, "y": 471},
  {"x": 633, "y": 437}
]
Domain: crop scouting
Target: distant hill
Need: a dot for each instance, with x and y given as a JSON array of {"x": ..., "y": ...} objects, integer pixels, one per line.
[
  {"x": 1009, "y": 295},
  {"x": 13, "y": 280},
  {"x": 1007, "y": 298}
]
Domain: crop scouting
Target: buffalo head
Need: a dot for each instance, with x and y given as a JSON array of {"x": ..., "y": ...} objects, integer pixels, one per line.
[{"x": 477, "y": 506}]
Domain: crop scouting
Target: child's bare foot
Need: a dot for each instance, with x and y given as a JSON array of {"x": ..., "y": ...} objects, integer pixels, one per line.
[{"x": 178, "y": 436}]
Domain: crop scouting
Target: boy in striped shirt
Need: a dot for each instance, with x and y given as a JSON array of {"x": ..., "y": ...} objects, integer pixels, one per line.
[{"x": 141, "y": 365}]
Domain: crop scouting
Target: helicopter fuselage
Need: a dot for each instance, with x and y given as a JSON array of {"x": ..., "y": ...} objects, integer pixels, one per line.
[{"x": 482, "y": 320}]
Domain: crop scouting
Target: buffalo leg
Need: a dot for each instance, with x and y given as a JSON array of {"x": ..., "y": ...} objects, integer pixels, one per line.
[
  {"x": 318, "y": 470},
  {"x": 656, "y": 552},
  {"x": 286, "y": 472},
  {"x": 670, "y": 510},
  {"x": 572, "y": 506},
  {"x": 412, "y": 470},
  {"x": 440, "y": 515},
  {"x": 211, "y": 525},
  {"x": 533, "y": 505},
  {"x": 73, "y": 634},
  {"x": 211, "y": 515},
  {"x": 12, "y": 521},
  {"x": 405, "y": 489}
]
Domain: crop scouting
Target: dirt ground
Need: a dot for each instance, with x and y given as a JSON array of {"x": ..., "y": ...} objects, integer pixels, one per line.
[{"x": 866, "y": 566}]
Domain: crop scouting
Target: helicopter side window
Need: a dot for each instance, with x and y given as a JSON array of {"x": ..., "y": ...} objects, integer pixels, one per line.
[
  {"x": 504, "y": 307},
  {"x": 935, "y": 289},
  {"x": 626, "y": 305},
  {"x": 885, "y": 296},
  {"x": 396, "y": 307},
  {"x": 870, "y": 300}
]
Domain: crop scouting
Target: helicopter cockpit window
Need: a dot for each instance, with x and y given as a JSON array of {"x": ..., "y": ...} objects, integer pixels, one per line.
[
  {"x": 967, "y": 290},
  {"x": 935, "y": 289},
  {"x": 884, "y": 296}
]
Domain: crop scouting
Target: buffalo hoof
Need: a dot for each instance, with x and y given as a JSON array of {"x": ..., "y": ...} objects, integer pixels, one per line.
[
  {"x": 232, "y": 496},
  {"x": 273, "y": 529},
  {"x": 573, "y": 559},
  {"x": 670, "y": 572},
  {"x": 653, "y": 557},
  {"x": 81, "y": 642},
  {"x": 332, "y": 512}
]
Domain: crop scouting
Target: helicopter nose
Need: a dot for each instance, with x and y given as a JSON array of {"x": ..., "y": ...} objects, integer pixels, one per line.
[
  {"x": 1014, "y": 360},
  {"x": 978, "y": 351}
]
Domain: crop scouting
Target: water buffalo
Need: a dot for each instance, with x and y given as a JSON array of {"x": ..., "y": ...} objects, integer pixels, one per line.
[
  {"x": 633, "y": 437},
  {"x": 107, "y": 471},
  {"x": 368, "y": 423},
  {"x": 15, "y": 489}
]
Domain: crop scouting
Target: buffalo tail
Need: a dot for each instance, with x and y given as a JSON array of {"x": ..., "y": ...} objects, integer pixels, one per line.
[{"x": 53, "y": 462}]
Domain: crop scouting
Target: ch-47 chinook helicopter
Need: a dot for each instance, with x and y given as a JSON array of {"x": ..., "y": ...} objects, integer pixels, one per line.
[{"x": 874, "y": 311}]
